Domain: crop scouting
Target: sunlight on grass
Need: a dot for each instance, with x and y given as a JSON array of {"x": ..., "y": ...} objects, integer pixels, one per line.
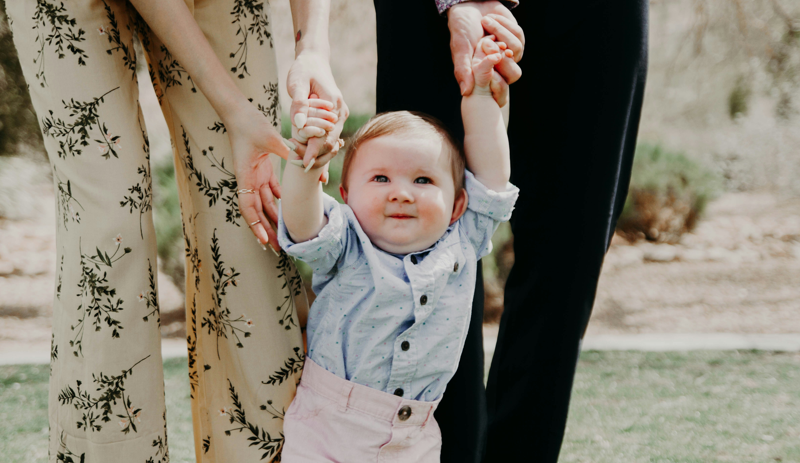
[{"x": 627, "y": 406}]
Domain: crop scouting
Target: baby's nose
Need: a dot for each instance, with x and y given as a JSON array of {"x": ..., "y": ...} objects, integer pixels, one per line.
[{"x": 402, "y": 195}]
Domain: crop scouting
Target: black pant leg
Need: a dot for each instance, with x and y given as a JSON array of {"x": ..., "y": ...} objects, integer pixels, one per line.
[
  {"x": 573, "y": 126},
  {"x": 415, "y": 72}
]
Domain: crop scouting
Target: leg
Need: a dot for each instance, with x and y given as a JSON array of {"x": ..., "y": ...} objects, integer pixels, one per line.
[
  {"x": 107, "y": 385},
  {"x": 462, "y": 413},
  {"x": 245, "y": 348},
  {"x": 583, "y": 112}
]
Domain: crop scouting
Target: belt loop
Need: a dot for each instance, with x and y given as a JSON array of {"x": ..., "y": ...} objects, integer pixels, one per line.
[{"x": 344, "y": 395}]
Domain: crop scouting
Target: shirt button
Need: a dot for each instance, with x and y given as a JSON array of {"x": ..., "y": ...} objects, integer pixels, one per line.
[
  {"x": 405, "y": 345},
  {"x": 399, "y": 392},
  {"x": 404, "y": 413},
  {"x": 423, "y": 299},
  {"x": 414, "y": 260}
]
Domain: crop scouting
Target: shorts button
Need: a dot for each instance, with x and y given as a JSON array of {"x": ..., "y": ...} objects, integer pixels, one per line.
[
  {"x": 398, "y": 392},
  {"x": 405, "y": 345},
  {"x": 414, "y": 260},
  {"x": 423, "y": 299},
  {"x": 455, "y": 267},
  {"x": 404, "y": 413}
]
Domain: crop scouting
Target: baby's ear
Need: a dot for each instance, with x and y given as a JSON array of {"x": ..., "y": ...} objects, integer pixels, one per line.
[{"x": 459, "y": 205}]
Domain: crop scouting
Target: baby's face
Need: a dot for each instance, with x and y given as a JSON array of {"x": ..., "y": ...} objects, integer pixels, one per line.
[{"x": 402, "y": 192}]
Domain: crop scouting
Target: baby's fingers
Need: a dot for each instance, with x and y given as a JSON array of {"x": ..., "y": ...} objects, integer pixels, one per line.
[
  {"x": 490, "y": 46},
  {"x": 483, "y": 70},
  {"x": 310, "y": 131},
  {"x": 315, "y": 122}
]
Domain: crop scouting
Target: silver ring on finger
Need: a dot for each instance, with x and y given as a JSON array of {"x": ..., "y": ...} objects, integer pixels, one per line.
[
  {"x": 257, "y": 221},
  {"x": 245, "y": 191}
]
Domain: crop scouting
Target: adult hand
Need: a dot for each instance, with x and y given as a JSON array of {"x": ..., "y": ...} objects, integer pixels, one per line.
[
  {"x": 467, "y": 22},
  {"x": 252, "y": 139},
  {"x": 311, "y": 73}
]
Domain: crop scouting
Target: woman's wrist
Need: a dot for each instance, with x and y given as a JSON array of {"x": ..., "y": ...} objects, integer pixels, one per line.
[
  {"x": 238, "y": 112},
  {"x": 319, "y": 51}
]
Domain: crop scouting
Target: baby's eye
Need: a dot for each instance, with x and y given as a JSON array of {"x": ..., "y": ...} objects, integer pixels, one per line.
[
  {"x": 381, "y": 178},
  {"x": 423, "y": 180}
]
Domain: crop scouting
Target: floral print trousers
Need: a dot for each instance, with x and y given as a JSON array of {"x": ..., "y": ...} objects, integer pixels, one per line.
[{"x": 245, "y": 348}]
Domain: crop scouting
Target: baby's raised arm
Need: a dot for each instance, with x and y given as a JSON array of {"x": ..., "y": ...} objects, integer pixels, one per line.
[
  {"x": 301, "y": 198},
  {"x": 485, "y": 138}
]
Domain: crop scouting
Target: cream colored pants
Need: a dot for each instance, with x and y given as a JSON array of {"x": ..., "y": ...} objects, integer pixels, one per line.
[{"x": 245, "y": 349}]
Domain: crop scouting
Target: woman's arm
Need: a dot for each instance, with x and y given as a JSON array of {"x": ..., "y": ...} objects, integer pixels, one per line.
[
  {"x": 174, "y": 24},
  {"x": 251, "y": 135}
]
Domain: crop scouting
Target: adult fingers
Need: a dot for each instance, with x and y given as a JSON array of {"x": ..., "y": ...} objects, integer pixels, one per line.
[
  {"x": 268, "y": 205},
  {"x": 323, "y": 114},
  {"x": 314, "y": 102},
  {"x": 267, "y": 225},
  {"x": 510, "y": 70},
  {"x": 297, "y": 136},
  {"x": 275, "y": 186},
  {"x": 299, "y": 110},
  {"x": 249, "y": 205},
  {"x": 508, "y": 31},
  {"x": 317, "y": 123},
  {"x": 301, "y": 148},
  {"x": 499, "y": 89}
]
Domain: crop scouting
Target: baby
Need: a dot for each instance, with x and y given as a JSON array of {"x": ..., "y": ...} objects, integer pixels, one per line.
[{"x": 394, "y": 273}]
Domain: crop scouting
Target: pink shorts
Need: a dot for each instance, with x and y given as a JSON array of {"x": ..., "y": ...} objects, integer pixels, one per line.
[{"x": 335, "y": 420}]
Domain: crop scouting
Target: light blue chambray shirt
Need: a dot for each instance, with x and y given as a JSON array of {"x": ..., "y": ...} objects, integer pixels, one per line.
[{"x": 396, "y": 323}]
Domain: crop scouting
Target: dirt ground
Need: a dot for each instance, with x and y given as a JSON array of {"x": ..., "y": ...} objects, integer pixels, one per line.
[{"x": 739, "y": 272}]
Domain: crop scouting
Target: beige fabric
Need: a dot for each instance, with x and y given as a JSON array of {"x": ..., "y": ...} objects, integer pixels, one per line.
[{"x": 245, "y": 349}]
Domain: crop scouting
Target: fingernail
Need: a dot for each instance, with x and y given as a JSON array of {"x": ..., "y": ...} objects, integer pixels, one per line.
[
  {"x": 289, "y": 144},
  {"x": 310, "y": 164},
  {"x": 297, "y": 162},
  {"x": 261, "y": 244},
  {"x": 509, "y": 53},
  {"x": 327, "y": 177},
  {"x": 273, "y": 250},
  {"x": 463, "y": 87},
  {"x": 299, "y": 120}
]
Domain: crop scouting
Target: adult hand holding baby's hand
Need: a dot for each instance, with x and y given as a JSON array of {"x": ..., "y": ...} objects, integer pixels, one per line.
[
  {"x": 319, "y": 124},
  {"x": 253, "y": 138},
  {"x": 468, "y": 21},
  {"x": 311, "y": 74}
]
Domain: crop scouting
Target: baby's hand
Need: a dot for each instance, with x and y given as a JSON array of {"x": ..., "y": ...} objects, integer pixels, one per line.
[
  {"x": 489, "y": 53},
  {"x": 319, "y": 123}
]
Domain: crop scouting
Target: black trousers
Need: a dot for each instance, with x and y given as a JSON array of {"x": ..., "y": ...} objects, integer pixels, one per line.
[{"x": 574, "y": 120}]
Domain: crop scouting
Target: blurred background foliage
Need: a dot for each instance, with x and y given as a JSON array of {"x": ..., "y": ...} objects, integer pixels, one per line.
[
  {"x": 18, "y": 124},
  {"x": 720, "y": 115}
]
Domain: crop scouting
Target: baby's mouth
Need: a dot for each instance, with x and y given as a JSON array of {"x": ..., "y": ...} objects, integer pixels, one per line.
[{"x": 401, "y": 216}]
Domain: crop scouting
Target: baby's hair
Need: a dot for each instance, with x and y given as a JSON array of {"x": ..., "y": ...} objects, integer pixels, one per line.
[{"x": 407, "y": 123}]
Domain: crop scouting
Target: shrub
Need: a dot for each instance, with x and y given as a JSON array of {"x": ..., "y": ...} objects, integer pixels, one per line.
[
  {"x": 167, "y": 220},
  {"x": 668, "y": 193},
  {"x": 18, "y": 121}
]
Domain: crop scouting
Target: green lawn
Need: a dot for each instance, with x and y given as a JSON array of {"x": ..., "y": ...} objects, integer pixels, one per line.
[{"x": 627, "y": 407}]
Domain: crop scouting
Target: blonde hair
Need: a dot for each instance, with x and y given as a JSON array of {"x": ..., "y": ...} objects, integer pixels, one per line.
[{"x": 410, "y": 123}]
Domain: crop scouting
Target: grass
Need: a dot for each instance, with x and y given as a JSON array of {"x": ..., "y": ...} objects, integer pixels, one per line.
[{"x": 626, "y": 407}]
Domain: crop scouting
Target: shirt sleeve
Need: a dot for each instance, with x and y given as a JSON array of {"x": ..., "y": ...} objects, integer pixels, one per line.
[
  {"x": 324, "y": 251},
  {"x": 443, "y": 5},
  {"x": 485, "y": 210}
]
